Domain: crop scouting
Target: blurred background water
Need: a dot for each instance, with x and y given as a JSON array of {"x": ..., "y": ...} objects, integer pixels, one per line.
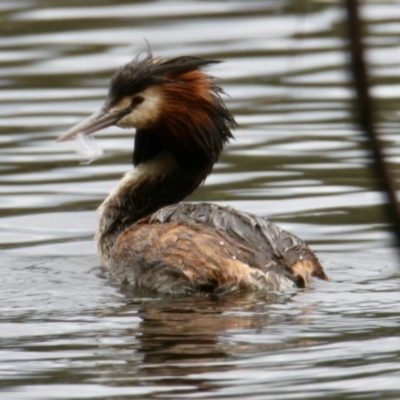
[{"x": 66, "y": 333}]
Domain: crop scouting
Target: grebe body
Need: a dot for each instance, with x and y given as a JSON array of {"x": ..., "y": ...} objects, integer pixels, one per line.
[{"x": 146, "y": 237}]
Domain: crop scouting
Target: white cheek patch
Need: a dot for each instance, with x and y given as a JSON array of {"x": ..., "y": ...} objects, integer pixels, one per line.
[{"x": 145, "y": 113}]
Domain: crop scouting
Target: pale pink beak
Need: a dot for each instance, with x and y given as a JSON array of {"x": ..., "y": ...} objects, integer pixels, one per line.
[{"x": 99, "y": 120}]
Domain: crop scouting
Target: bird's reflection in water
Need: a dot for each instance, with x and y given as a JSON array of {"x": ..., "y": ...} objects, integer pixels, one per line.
[
  {"x": 190, "y": 329},
  {"x": 179, "y": 341}
]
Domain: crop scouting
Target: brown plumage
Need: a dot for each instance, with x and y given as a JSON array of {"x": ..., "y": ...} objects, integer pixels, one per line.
[{"x": 145, "y": 236}]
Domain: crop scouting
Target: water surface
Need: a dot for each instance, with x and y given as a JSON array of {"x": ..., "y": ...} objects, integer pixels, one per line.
[{"x": 67, "y": 333}]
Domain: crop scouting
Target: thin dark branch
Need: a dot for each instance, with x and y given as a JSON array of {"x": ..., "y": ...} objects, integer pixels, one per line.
[{"x": 367, "y": 117}]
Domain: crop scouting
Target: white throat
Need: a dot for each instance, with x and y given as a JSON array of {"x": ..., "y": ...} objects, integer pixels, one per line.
[
  {"x": 149, "y": 170},
  {"x": 113, "y": 209}
]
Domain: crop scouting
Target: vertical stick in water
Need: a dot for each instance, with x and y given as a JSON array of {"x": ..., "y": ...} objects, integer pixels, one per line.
[{"x": 366, "y": 116}]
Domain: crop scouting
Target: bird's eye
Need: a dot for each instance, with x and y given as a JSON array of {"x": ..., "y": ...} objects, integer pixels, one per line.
[{"x": 136, "y": 101}]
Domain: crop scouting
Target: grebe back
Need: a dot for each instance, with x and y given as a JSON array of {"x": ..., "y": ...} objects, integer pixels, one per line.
[{"x": 145, "y": 236}]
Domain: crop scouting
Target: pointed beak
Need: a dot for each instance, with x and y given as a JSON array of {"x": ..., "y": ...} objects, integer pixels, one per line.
[{"x": 99, "y": 120}]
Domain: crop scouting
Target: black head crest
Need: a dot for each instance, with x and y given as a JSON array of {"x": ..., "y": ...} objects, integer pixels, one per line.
[{"x": 141, "y": 73}]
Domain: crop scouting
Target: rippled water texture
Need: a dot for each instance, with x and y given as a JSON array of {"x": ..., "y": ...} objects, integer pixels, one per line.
[{"x": 66, "y": 333}]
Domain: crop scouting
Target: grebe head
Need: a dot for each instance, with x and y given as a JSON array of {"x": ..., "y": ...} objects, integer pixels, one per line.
[{"x": 175, "y": 107}]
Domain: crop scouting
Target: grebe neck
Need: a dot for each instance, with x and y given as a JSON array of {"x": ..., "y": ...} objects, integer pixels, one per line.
[{"x": 150, "y": 186}]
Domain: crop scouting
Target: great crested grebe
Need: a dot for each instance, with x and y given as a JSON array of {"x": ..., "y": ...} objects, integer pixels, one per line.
[{"x": 145, "y": 236}]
